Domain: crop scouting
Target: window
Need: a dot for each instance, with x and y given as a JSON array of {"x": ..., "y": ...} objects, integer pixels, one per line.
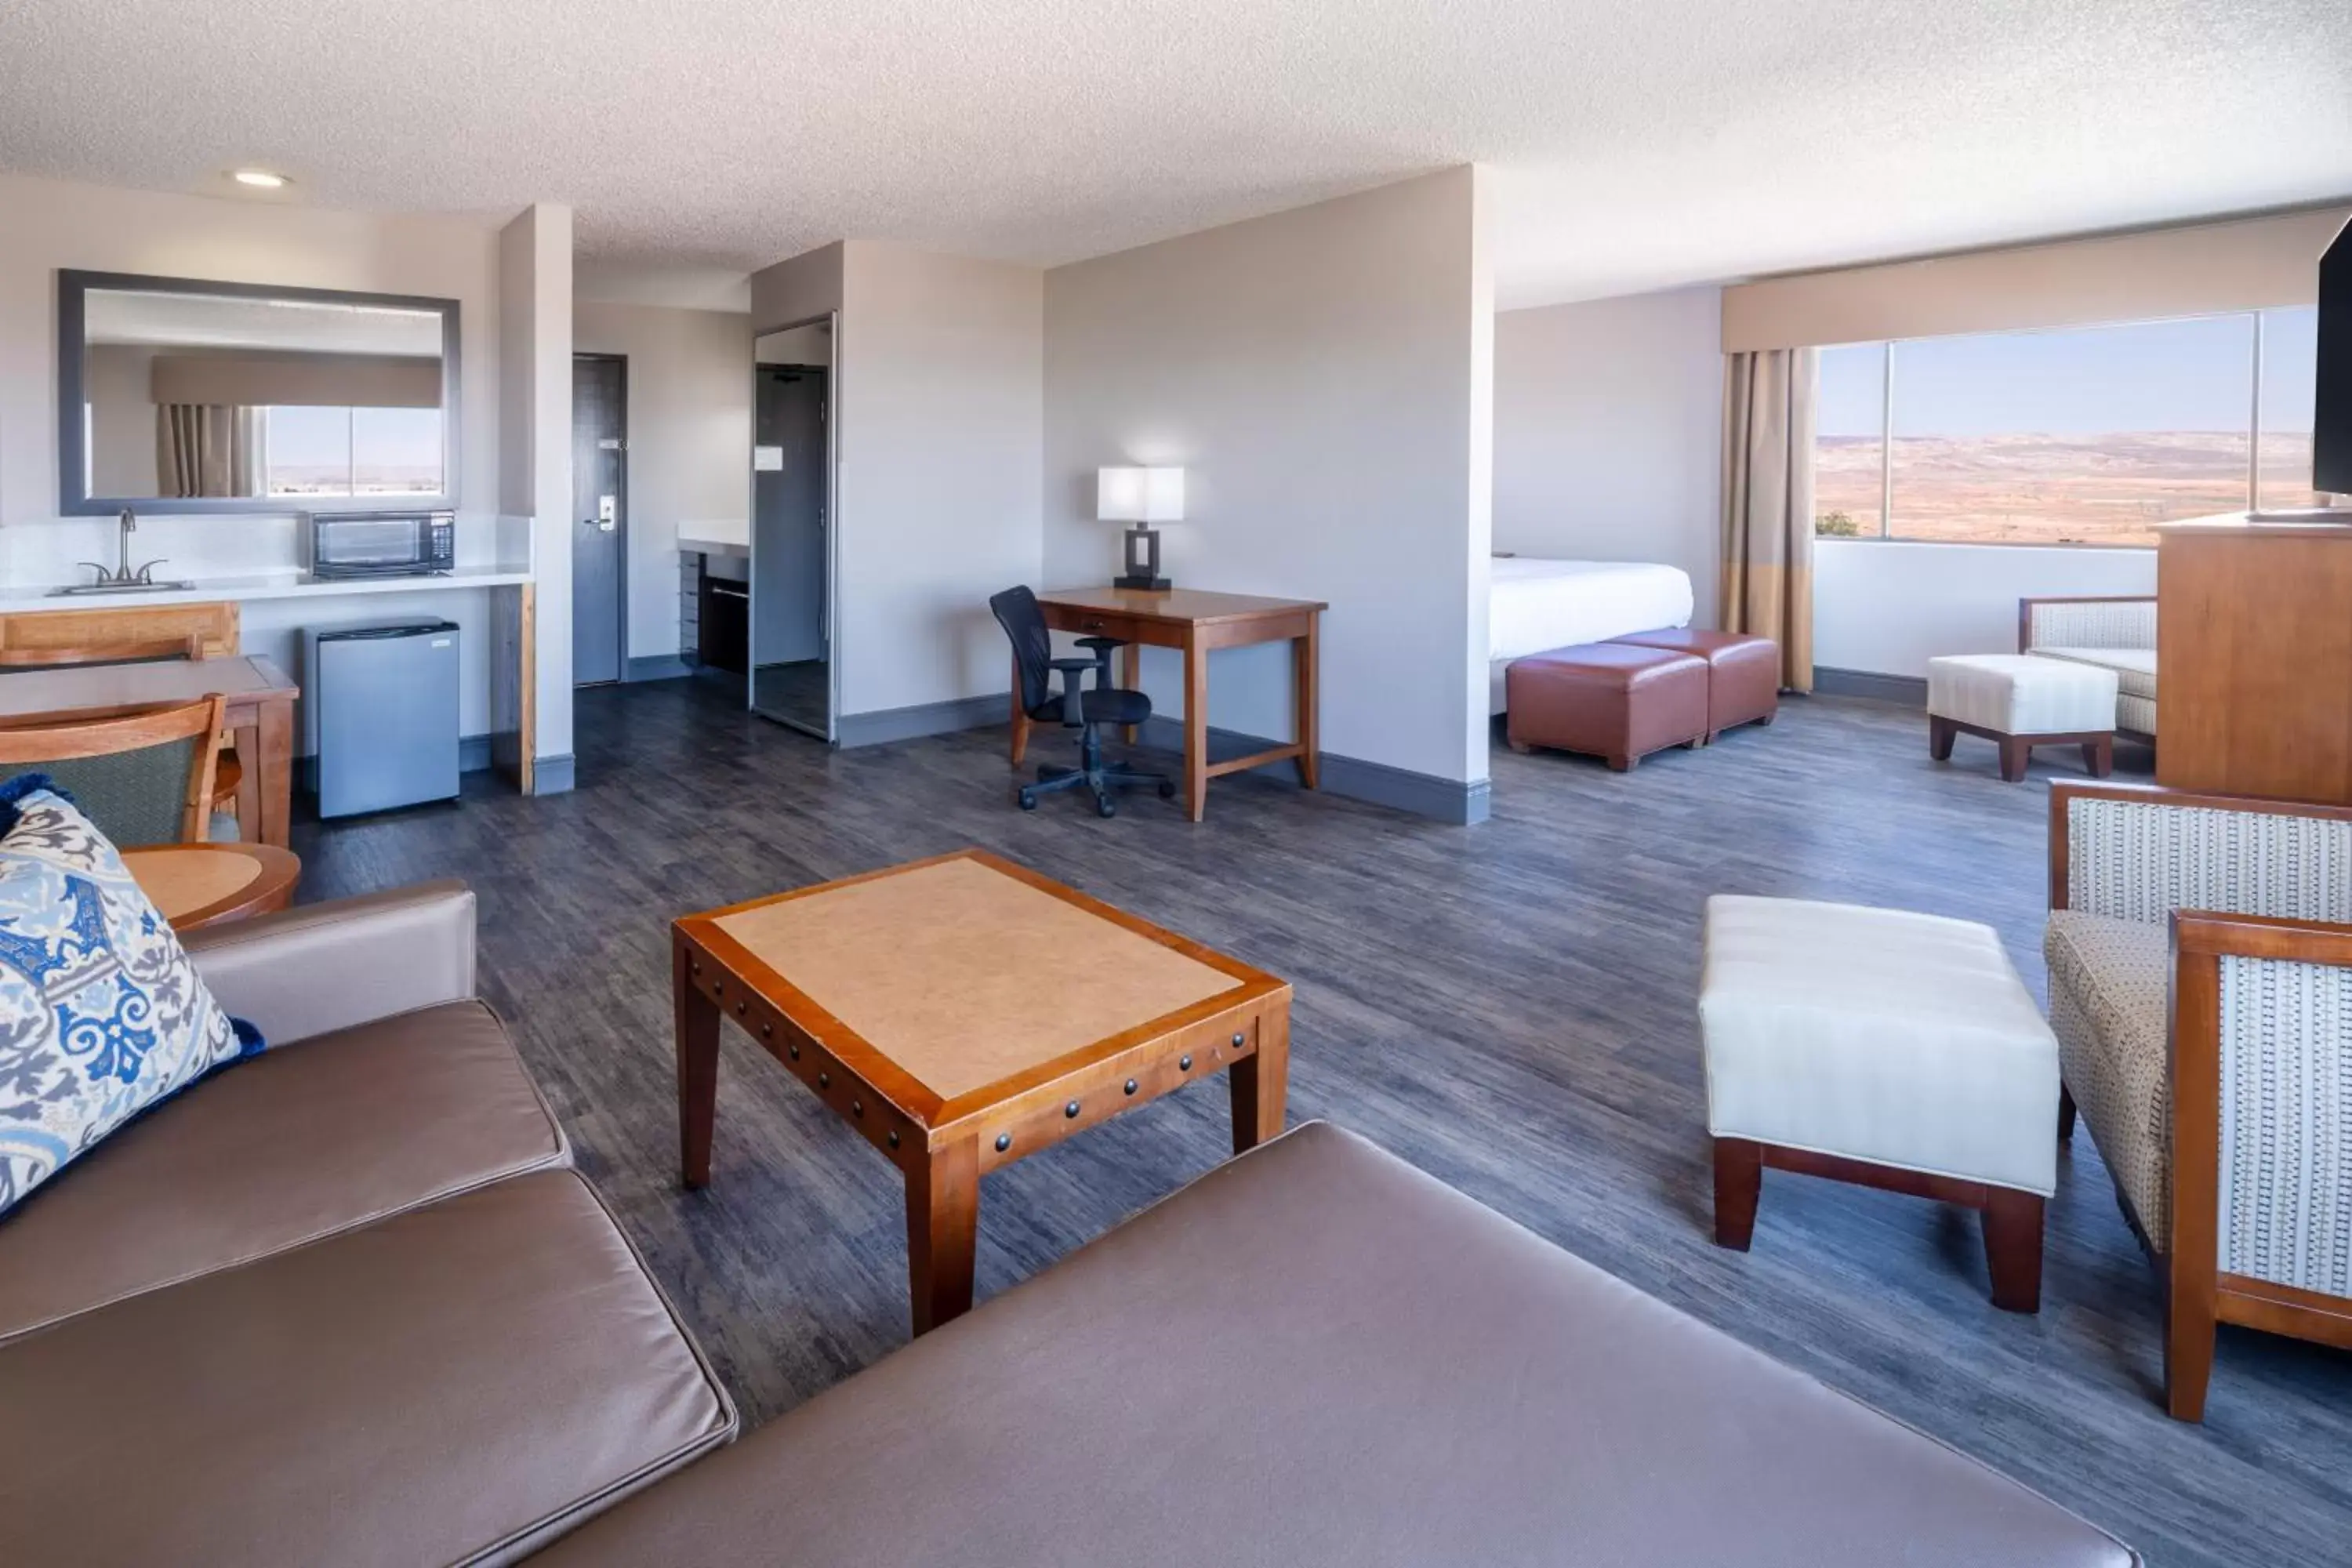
[
  {"x": 2080, "y": 436},
  {"x": 320, "y": 451},
  {"x": 1849, "y": 442},
  {"x": 2290, "y": 372}
]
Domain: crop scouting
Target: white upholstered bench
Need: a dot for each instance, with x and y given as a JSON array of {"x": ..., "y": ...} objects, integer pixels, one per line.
[
  {"x": 1880, "y": 1047},
  {"x": 2020, "y": 701}
]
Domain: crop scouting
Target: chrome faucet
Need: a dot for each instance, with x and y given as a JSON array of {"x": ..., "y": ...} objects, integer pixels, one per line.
[{"x": 123, "y": 576}]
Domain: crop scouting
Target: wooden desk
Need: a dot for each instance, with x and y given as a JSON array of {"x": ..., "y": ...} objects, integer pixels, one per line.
[
  {"x": 960, "y": 1013},
  {"x": 260, "y": 702},
  {"x": 198, "y": 885},
  {"x": 1197, "y": 621}
]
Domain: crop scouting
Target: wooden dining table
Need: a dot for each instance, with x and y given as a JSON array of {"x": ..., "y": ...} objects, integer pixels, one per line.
[
  {"x": 258, "y": 708},
  {"x": 199, "y": 884}
]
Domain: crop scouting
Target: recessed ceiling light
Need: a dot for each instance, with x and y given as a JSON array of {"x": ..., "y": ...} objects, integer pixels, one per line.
[{"x": 261, "y": 178}]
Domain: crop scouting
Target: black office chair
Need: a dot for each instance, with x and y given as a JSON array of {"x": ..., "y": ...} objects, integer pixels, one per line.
[{"x": 1091, "y": 711}]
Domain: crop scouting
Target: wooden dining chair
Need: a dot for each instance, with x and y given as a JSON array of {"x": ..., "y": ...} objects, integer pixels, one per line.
[{"x": 149, "y": 777}]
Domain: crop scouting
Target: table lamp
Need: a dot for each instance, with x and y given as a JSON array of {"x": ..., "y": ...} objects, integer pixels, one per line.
[{"x": 1141, "y": 497}]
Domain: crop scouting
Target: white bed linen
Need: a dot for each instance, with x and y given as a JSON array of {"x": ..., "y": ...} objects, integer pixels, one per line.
[{"x": 1536, "y": 604}]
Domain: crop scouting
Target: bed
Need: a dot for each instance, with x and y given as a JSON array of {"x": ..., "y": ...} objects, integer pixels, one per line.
[{"x": 1538, "y": 603}]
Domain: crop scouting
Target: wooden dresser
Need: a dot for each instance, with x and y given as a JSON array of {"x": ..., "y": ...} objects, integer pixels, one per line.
[{"x": 2254, "y": 658}]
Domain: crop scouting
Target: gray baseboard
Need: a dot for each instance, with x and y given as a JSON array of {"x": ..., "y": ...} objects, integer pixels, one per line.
[
  {"x": 551, "y": 775},
  {"x": 1399, "y": 789},
  {"x": 1905, "y": 690},
  {"x": 923, "y": 718},
  {"x": 657, "y": 667}
]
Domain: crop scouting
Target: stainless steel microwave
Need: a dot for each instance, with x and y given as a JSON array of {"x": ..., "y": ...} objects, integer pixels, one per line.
[{"x": 381, "y": 543}]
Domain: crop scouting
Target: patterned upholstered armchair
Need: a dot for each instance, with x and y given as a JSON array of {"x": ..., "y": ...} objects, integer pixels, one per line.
[
  {"x": 2200, "y": 986},
  {"x": 2118, "y": 633}
]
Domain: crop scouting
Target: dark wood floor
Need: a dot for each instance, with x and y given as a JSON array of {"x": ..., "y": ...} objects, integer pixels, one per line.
[{"x": 1509, "y": 1007}]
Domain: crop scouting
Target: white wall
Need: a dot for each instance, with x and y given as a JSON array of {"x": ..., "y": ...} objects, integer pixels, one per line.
[
  {"x": 1322, "y": 376},
  {"x": 800, "y": 289},
  {"x": 689, "y": 420},
  {"x": 46, "y": 225},
  {"x": 940, "y": 395},
  {"x": 937, "y": 399},
  {"x": 534, "y": 254},
  {"x": 1609, "y": 433},
  {"x": 1887, "y": 607}
]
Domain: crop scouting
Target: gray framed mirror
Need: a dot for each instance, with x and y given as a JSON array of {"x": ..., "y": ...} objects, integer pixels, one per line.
[{"x": 179, "y": 394}]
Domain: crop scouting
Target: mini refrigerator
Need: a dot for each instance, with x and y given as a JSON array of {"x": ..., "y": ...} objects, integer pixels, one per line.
[{"x": 383, "y": 714}]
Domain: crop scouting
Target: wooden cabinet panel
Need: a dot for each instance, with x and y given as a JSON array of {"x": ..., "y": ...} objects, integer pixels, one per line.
[{"x": 2254, "y": 659}]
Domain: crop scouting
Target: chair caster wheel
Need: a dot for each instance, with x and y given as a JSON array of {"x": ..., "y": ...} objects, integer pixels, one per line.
[
  {"x": 1167, "y": 789},
  {"x": 1028, "y": 799},
  {"x": 1106, "y": 807}
]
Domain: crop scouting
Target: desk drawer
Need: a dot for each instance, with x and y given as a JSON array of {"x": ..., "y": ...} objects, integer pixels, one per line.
[{"x": 1111, "y": 623}]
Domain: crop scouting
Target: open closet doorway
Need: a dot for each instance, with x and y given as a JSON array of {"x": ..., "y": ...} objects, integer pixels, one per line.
[{"x": 792, "y": 662}]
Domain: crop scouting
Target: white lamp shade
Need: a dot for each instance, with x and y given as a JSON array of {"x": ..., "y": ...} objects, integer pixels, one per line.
[
  {"x": 1164, "y": 495},
  {"x": 1140, "y": 495},
  {"x": 1118, "y": 495}
]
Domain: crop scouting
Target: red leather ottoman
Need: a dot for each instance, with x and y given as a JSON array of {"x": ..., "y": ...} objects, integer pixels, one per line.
[
  {"x": 1743, "y": 672},
  {"x": 1608, "y": 700}
]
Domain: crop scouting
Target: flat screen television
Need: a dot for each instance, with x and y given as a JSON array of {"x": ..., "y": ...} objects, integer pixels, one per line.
[{"x": 2331, "y": 414}]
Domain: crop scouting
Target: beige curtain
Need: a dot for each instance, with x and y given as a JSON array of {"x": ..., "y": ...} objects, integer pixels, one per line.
[
  {"x": 1767, "y": 504},
  {"x": 207, "y": 449}
]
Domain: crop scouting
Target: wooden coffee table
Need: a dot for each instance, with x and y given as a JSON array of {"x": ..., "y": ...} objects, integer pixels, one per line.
[
  {"x": 961, "y": 1013},
  {"x": 198, "y": 885}
]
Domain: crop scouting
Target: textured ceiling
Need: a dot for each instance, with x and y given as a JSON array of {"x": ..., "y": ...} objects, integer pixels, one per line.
[{"x": 1635, "y": 142}]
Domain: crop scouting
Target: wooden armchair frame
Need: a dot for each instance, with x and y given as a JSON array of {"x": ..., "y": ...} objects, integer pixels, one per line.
[
  {"x": 2199, "y": 1294},
  {"x": 200, "y": 720}
]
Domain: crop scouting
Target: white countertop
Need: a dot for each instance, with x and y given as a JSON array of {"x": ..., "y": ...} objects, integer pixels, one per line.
[
  {"x": 18, "y": 598},
  {"x": 717, "y": 538}
]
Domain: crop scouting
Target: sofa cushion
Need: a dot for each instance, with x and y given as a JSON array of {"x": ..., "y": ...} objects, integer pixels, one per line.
[
  {"x": 448, "y": 1385},
  {"x": 1318, "y": 1356},
  {"x": 2135, "y": 667},
  {"x": 298, "y": 1143},
  {"x": 2110, "y": 981},
  {"x": 101, "y": 1015}
]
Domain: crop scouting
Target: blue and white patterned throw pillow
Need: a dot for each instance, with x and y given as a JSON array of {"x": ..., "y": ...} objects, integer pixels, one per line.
[{"x": 102, "y": 1014}]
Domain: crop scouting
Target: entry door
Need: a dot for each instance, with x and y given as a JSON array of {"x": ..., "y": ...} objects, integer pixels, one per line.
[
  {"x": 600, "y": 525},
  {"x": 791, "y": 672}
]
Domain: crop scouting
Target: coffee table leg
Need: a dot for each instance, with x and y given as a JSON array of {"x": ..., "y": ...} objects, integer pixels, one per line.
[
  {"x": 1262, "y": 1082},
  {"x": 942, "y": 1219},
  {"x": 697, "y": 1071}
]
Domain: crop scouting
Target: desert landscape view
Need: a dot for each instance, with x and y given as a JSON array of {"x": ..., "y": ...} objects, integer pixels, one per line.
[{"x": 2050, "y": 489}]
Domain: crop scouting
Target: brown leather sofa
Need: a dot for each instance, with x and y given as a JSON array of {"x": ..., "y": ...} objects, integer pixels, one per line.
[
  {"x": 1318, "y": 1356},
  {"x": 347, "y": 1302}
]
